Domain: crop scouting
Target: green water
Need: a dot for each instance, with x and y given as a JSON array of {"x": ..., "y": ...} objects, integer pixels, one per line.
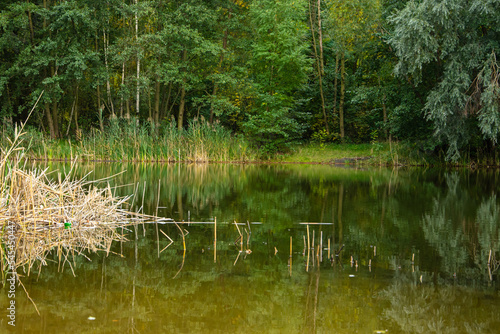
[{"x": 420, "y": 238}]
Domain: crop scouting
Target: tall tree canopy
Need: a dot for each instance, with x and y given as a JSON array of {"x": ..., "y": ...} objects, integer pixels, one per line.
[{"x": 273, "y": 70}]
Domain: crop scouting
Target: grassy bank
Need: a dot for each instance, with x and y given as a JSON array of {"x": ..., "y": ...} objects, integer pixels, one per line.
[{"x": 386, "y": 153}]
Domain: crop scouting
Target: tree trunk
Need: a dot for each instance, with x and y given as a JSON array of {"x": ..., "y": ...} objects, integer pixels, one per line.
[
  {"x": 73, "y": 111},
  {"x": 214, "y": 92},
  {"x": 55, "y": 120},
  {"x": 98, "y": 98},
  {"x": 320, "y": 39},
  {"x": 127, "y": 109},
  {"x": 384, "y": 113},
  {"x": 319, "y": 68},
  {"x": 323, "y": 104},
  {"x": 49, "y": 120},
  {"x": 55, "y": 111},
  {"x": 180, "y": 120},
  {"x": 183, "y": 96},
  {"x": 342, "y": 95},
  {"x": 123, "y": 85},
  {"x": 108, "y": 86},
  {"x": 165, "y": 113},
  {"x": 156, "y": 114},
  {"x": 335, "y": 85},
  {"x": 32, "y": 31},
  {"x": 76, "y": 111},
  {"x": 138, "y": 62}
]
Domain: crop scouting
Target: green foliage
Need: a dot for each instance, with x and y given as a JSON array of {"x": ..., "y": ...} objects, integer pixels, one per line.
[
  {"x": 278, "y": 66},
  {"x": 458, "y": 40},
  {"x": 272, "y": 129},
  {"x": 250, "y": 66}
]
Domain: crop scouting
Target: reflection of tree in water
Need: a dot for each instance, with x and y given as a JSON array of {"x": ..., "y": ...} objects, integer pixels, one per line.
[
  {"x": 459, "y": 235},
  {"x": 462, "y": 226},
  {"x": 421, "y": 308},
  {"x": 449, "y": 243}
]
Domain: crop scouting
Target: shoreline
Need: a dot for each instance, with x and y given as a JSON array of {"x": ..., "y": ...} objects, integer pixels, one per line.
[{"x": 348, "y": 161}]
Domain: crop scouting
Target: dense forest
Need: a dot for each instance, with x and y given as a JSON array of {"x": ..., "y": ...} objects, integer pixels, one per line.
[{"x": 273, "y": 72}]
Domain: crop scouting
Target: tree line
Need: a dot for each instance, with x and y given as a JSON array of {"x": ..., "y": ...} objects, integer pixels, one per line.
[{"x": 275, "y": 71}]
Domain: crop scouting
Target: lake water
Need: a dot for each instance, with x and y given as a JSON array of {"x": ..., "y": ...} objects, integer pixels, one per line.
[{"x": 315, "y": 249}]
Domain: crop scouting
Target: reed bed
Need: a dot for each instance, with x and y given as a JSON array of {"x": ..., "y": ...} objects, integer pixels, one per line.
[
  {"x": 127, "y": 140},
  {"x": 66, "y": 217}
]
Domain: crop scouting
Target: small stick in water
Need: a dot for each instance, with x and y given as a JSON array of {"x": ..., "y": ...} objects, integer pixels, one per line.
[
  {"x": 215, "y": 239},
  {"x": 321, "y": 247},
  {"x": 328, "y": 247},
  {"x": 308, "y": 248},
  {"x": 290, "y": 259},
  {"x": 304, "y": 252},
  {"x": 241, "y": 235}
]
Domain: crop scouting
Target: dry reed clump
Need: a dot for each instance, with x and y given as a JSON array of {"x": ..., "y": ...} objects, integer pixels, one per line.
[
  {"x": 69, "y": 217},
  {"x": 39, "y": 216}
]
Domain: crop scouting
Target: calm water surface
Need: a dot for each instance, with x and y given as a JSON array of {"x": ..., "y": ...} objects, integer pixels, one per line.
[{"x": 409, "y": 252}]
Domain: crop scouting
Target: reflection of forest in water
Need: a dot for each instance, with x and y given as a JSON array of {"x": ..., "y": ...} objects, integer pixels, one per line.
[{"x": 447, "y": 221}]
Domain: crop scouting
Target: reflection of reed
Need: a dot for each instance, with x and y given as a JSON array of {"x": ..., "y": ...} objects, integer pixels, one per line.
[
  {"x": 184, "y": 249},
  {"x": 312, "y": 301},
  {"x": 240, "y": 240},
  {"x": 308, "y": 249},
  {"x": 215, "y": 239}
]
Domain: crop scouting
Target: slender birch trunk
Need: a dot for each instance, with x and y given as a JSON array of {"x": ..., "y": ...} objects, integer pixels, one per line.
[{"x": 138, "y": 59}]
